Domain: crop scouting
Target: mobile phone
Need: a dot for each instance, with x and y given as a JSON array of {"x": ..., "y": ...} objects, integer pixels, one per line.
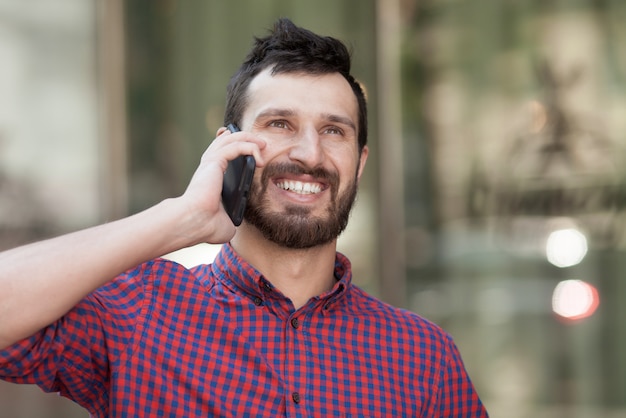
[{"x": 237, "y": 182}]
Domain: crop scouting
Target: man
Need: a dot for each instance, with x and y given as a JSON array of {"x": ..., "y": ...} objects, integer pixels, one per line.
[{"x": 274, "y": 326}]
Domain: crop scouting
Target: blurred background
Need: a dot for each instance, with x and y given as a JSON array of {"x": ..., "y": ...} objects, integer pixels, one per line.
[{"x": 494, "y": 198}]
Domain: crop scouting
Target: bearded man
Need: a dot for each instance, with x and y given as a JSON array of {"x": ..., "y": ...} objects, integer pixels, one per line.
[{"x": 274, "y": 326}]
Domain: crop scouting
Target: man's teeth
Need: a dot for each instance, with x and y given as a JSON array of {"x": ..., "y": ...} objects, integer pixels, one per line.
[{"x": 300, "y": 187}]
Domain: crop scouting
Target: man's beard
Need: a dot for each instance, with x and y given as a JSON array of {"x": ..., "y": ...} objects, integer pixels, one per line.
[{"x": 295, "y": 227}]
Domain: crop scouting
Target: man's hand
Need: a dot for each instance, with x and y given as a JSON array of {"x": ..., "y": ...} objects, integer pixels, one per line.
[{"x": 209, "y": 221}]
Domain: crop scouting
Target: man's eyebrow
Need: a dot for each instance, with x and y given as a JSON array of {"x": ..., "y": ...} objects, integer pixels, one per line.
[
  {"x": 340, "y": 119},
  {"x": 275, "y": 112},
  {"x": 283, "y": 112}
]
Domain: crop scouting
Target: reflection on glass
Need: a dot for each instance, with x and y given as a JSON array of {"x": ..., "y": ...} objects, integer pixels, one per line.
[
  {"x": 575, "y": 299},
  {"x": 566, "y": 247}
]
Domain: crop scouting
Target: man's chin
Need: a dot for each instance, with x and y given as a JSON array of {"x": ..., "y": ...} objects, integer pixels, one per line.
[
  {"x": 299, "y": 226},
  {"x": 295, "y": 228}
]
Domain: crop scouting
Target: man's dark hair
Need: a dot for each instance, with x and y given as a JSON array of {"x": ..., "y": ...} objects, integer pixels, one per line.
[{"x": 291, "y": 49}]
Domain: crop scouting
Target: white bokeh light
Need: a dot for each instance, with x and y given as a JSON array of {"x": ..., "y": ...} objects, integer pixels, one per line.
[{"x": 566, "y": 247}]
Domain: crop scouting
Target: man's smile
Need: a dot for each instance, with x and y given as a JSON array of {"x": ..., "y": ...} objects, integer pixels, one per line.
[{"x": 299, "y": 187}]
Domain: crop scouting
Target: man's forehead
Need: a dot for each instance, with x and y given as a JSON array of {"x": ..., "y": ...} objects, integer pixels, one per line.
[
  {"x": 268, "y": 77},
  {"x": 287, "y": 94}
]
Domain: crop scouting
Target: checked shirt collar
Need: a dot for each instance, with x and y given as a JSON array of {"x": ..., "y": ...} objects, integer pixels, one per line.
[{"x": 243, "y": 278}]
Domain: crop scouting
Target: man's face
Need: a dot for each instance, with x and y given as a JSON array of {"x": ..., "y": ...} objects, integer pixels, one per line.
[{"x": 302, "y": 197}]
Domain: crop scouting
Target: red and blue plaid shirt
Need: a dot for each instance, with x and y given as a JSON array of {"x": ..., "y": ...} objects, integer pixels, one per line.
[{"x": 220, "y": 340}]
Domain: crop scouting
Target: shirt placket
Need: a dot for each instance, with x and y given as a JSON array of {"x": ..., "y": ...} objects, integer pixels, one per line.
[
  {"x": 296, "y": 363},
  {"x": 294, "y": 367}
]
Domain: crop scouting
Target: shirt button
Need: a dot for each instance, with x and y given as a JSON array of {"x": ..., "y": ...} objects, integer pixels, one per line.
[
  {"x": 267, "y": 286},
  {"x": 296, "y": 397},
  {"x": 295, "y": 323},
  {"x": 258, "y": 301}
]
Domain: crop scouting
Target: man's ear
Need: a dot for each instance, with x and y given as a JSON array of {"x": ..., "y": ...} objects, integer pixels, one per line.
[
  {"x": 221, "y": 131},
  {"x": 363, "y": 158}
]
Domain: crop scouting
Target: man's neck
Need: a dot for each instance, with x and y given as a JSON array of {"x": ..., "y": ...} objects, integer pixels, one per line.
[{"x": 298, "y": 274}]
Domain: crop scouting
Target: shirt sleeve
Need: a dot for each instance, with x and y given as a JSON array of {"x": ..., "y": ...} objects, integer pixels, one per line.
[
  {"x": 73, "y": 355},
  {"x": 458, "y": 397}
]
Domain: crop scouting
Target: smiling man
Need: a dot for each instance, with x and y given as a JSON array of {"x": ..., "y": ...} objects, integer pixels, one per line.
[
  {"x": 275, "y": 326},
  {"x": 312, "y": 138}
]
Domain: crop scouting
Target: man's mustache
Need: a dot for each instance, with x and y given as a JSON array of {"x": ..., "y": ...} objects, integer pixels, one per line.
[{"x": 318, "y": 173}]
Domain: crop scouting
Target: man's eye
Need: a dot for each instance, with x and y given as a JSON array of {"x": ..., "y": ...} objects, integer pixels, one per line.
[
  {"x": 279, "y": 124},
  {"x": 333, "y": 130}
]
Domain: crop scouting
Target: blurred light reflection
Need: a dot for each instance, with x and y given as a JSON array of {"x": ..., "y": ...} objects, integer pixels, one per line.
[
  {"x": 575, "y": 299},
  {"x": 566, "y": 247}
]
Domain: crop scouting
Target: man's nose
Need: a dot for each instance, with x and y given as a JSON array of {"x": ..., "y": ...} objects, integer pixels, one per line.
[{"x": 307, "y": 148}]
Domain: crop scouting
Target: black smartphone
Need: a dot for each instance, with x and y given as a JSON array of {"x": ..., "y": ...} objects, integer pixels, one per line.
[{"x": 237, "y": 182}]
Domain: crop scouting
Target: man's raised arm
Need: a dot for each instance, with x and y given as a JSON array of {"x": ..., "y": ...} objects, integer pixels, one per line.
[{"x": 40, "y": 282}]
